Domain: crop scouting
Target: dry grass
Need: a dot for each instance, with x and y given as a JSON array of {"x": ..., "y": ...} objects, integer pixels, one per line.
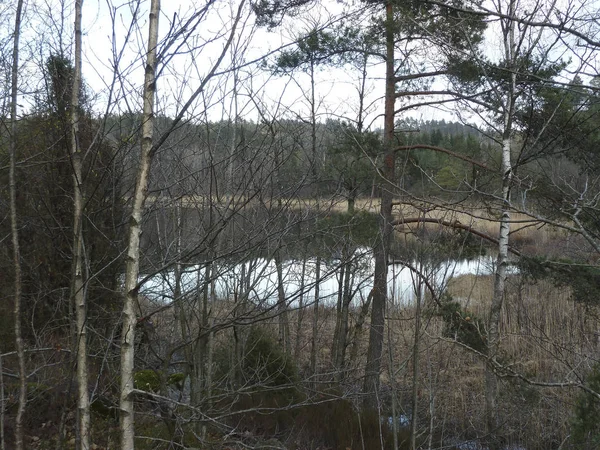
[
  {"x": 546, "y": 337},
  {"x": 527, "y": 234}
]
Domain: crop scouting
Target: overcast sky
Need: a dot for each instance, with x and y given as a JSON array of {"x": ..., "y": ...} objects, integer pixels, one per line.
[{"x": 112, "y": 30}]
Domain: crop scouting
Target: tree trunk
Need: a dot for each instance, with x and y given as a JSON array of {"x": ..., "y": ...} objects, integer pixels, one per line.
[
  {"x": 298, "y": 346},
  {"x": 381, "y": 248},
  {"x": 351, "y": 201},
  {"x": 313, "y": 127},
  {"x": 179, "y": 322},
  {"x": 238, "y": 311},
  {"x": 358, "y": 328},
  {"x": 203, "y": 353},
  {"x": 341, "y": 340},
  {"x": 393, "y": 390},
  {"x": 201, "y": 385},
  {"x": 198, "y": 360},
  {"x": 491, "y": 382},
  {"x": 335, "y": 348},
  {"x": 132, "y": 263},
  {"x": 77, "y": 281},
  {"x": 2, "y": 438},
  {"x": 315, "y": 322},
  {"x": 282, "y": 312},
  {"x": 416, "y": 374},
  {"x": 14, "y": 230},
  {"x": 210, "y": 348}
]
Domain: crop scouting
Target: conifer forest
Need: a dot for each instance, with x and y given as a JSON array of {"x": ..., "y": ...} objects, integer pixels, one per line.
[{"x": 300, "y": 224}]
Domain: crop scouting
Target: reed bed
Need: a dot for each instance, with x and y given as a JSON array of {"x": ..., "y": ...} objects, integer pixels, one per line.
[{"x": 546, "y": 337}]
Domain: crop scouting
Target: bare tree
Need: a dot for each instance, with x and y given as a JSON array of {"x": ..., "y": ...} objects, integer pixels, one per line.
[
  {"x": 126, "y": 400},
  {"x": 149, "y": 147},
  {"x": 510, "y": 55},
  {"x": 14, "y": 227},
  {"x": 77, "y": 286}
]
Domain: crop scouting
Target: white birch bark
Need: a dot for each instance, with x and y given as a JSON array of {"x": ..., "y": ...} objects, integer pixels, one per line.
[
  {"x": 132, "y": 264},
  {"x": 77, "y": 282},
  {"x": 491, "y": 382}
]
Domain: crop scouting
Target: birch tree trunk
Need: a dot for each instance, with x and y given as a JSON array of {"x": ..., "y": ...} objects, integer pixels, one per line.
[
  {"x": 491, "y": 382},
  {"x": 14, "y": 230},
  {"x": 132, "y": 264},
  {"x": 77, "y": 282}
]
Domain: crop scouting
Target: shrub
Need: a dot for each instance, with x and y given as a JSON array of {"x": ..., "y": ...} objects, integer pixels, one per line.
[
  {"x": 463, "y": 326},
  {"x": 149, "y": 380},
  {"x": 265, "y": 362}
]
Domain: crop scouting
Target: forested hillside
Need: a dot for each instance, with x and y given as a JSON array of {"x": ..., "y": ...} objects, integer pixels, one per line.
[{"x": 299, "y": 225}]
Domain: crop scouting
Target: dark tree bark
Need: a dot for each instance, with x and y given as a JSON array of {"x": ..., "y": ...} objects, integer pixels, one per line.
[
  {"x": 381, "y": 249},
  {"x": 14, "y": 229}
]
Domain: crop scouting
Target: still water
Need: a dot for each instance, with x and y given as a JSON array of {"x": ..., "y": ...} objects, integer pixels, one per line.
[{"x": 257, "y": 279}]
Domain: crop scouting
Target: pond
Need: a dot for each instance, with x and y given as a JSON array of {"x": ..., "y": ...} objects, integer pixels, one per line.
[{"x": 257, "y": 279}]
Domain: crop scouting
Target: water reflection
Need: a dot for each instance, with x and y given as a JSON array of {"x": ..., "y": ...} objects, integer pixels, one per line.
[{"x": 256, "y": 280}]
